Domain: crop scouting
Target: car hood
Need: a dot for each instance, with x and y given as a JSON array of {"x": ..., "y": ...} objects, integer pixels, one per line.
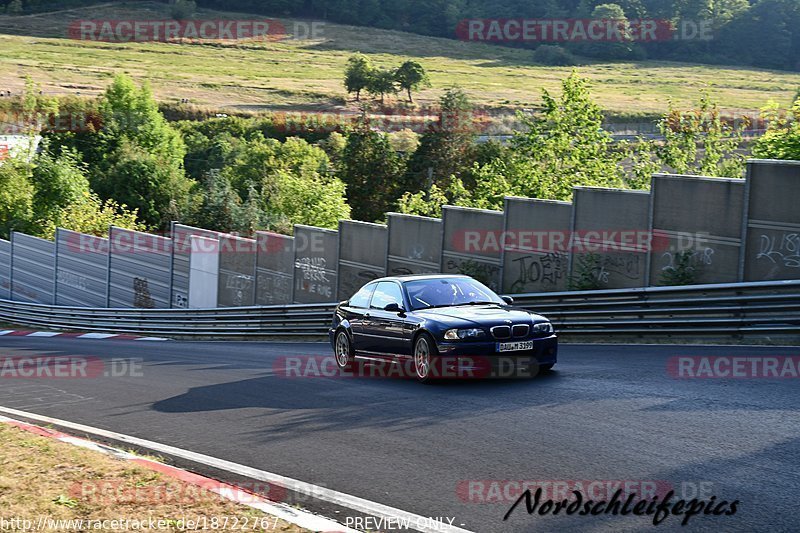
[{"x": 480, "y": 315}]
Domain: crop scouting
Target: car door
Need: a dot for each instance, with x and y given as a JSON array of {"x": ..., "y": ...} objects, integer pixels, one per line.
[
  {"x": 357, "y": 312},
  {"x": 383, "y": 330}
]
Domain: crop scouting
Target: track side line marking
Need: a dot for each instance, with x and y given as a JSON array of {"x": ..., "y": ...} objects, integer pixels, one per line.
[
  {"x": 298, "y": 517},
  {"x": 417, "y": 522}
]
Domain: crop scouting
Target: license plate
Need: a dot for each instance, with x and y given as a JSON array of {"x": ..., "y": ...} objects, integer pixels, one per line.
[{"x": 514, "y": 346}]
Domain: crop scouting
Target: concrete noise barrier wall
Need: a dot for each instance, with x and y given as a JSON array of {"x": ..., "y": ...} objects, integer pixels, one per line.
[
  {"x": 362, "y": 255},
  {"x": 415, "y": 245},
  {"x": 771, "y": 231},
  {"x": 472, "y": 244},
  {"x": 696, "y": 224},
  {"x": 33, "y": 265},
  {"x": 140, "y": 269},
  {"x": 81, "y": 269},
  {"x": 535, "y": 255},
  {"x": 316, "y": 257},
  {"x": 610, "y": 237},
  {"x": 203, "y": 272},
  {"x": 181, "y": 238},
  {"x": 237, "y": 271},
  {"x": 5, "y": 269},
  {"x": 274, "y": 268}
]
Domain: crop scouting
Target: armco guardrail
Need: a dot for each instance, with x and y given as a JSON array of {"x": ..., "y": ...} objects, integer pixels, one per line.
[
  {"x": 758, "y": 310},
  {"x": 301, "y": 320},
  {"x": 725, "y": 309}
]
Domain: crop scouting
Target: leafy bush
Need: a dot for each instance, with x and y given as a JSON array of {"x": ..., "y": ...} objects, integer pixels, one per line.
[
  {"x": 182, "y": 9},
  {"x": 682, "y": 272},
  {"x": 16, "y": 197},
  {"x": 91, "y": 215},
  {"x": 554, "y": 56},
  {"x": 587, "y": 273}
]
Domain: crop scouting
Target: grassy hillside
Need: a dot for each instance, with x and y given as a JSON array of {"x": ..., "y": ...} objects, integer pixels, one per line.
[{"x": 306, "y": 75}]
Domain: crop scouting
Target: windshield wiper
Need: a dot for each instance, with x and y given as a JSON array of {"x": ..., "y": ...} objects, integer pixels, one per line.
[
  {"x": 455, "y": 305},
  {"x": 433, "y": 306}
]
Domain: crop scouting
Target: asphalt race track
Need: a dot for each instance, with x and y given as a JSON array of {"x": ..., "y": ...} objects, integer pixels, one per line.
[{"x": 608, "y": 413}]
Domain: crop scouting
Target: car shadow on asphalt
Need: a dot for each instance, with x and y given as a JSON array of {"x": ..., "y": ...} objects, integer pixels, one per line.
[{"x": 292, "y": 405}]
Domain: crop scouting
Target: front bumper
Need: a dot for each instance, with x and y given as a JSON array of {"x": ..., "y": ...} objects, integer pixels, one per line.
[{"x": 483, "y": 359}]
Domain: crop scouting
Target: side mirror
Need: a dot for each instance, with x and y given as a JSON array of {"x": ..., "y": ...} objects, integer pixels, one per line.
[
  {"x": 394, "y": 308},
  {"x": 508, "y": 299}
]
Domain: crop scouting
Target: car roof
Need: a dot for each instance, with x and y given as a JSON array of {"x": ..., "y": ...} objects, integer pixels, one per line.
[{"x": 416, "y": 277}]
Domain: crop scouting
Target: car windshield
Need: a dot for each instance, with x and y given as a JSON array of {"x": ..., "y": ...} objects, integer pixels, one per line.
[{"x": 445, "y": 292}]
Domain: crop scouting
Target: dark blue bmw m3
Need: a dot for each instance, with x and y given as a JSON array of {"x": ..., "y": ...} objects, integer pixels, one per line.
[{"x": 440, "y": 326}]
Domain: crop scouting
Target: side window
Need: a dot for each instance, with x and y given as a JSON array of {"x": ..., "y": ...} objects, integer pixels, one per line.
[
  {"x": 361, "y": 298},
  {"x": 386, "y": 293}
]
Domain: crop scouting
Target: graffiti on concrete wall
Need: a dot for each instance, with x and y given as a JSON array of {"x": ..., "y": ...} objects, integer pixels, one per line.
[
  {"x": 549, "y": 269},
  {"x": 141, "y": 294},
  {"x": 313, "y": 277},
  {"x": 783, "y": 249}
]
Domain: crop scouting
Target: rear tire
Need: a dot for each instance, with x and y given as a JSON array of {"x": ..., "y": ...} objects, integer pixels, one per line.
[{"x": 343, "y": 351}]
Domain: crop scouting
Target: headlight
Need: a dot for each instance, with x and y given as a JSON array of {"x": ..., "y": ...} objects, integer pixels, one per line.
[
  {"x": 458, "y": 334},
  {"x": 543, "y": 327}
]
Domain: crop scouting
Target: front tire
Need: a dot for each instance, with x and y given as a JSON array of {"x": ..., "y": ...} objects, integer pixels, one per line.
[
  {"x": 343, "y": 351},
  {"x": 425, "y": 356}
]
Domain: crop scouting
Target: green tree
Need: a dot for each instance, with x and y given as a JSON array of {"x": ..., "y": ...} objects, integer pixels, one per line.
[
  {"x": 723, "y": 11},
  {"x": 411, "y": 76},
  {"x": 16, "y": 196},
  {"x": 137, "y": 158},
  {"x": 357, "y": 74},
  {"x": 621, "y": 44},
  {"x": 700, "y": 141},
  {"x": 147, "y": 183},
  {"x": 404, "y": 141},
  {"x": 562, "y": 147},
  {"x": 220, "y": 206},
  {"x": 91, "y": 215},
  {"x": 258, "y": 160},
  {"x": 429, "y": 202},
  {"x": 14, "y": 7},
  {"x": 334, "y": 146},
  {"x": 58, "y": 181},
  {"x": 283, "y": 183},
  {"x": 312, "y": 199},
  {"x": 782, "y": 138},
  {"x": 447, "y": 149},
  {"x": 381, "y": 83},
  {"x": 182, "y": 9},
  {"x": 36, "y": 109},
  {"x": 372, "y": 171}
]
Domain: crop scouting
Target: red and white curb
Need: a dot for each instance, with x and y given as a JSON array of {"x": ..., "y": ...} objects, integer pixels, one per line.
[
  {"x": 229, "y": 492},
  {"x": 303, "y": 519},
  {"x": 98, "y": 336}
]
